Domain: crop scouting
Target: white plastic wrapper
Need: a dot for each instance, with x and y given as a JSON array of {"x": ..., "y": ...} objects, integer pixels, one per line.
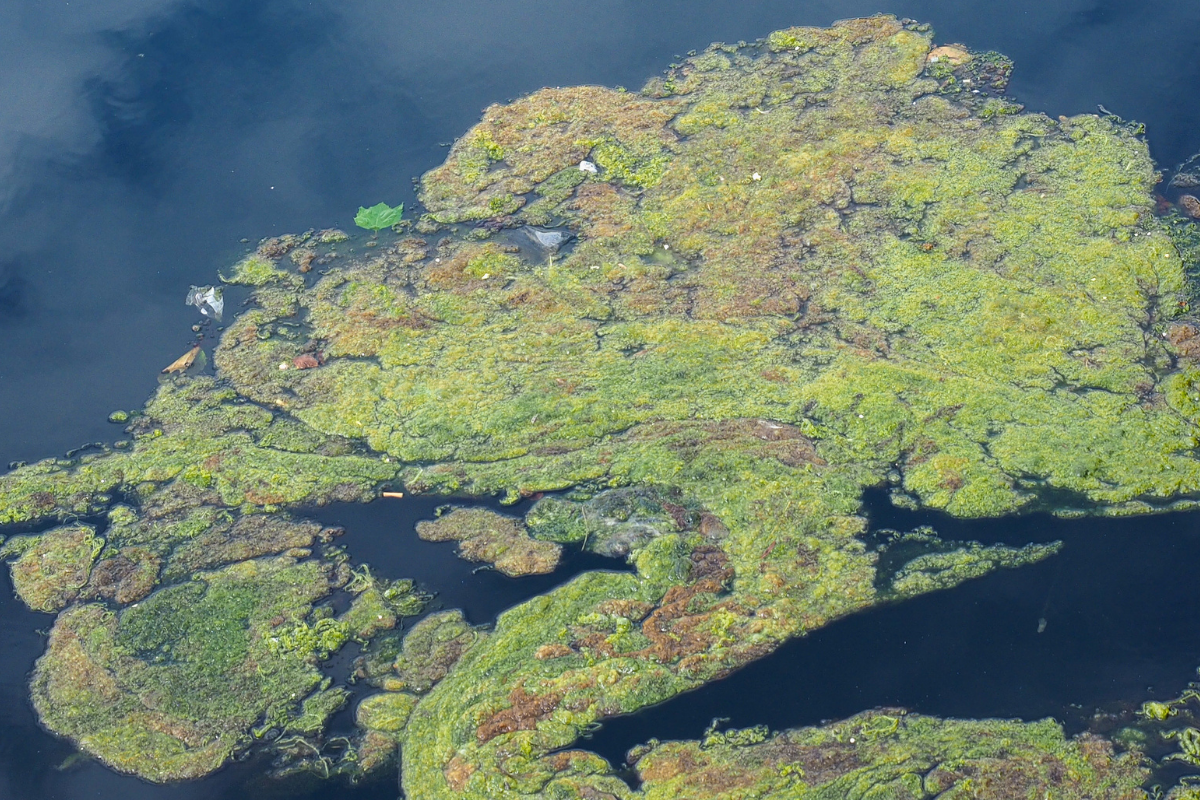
[{"x": 208, "y": 299}]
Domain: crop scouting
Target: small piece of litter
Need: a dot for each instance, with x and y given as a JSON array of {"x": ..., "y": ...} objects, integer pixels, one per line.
[
  {"x": 545, "y": 238},
  {"x": 392, "y": 494},
  {"x": 756, "y": 177},
  {"x": 283, "y": 365},
  {"x": 208, "y": 299},
  {"x": 182, "y": 363},
  {"x": 587, "y": 166}
]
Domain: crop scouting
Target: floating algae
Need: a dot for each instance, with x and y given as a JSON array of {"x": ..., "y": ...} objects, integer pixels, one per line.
[
  {"x": 800, "y": 268},
  {"x": 892, "y": 754}
]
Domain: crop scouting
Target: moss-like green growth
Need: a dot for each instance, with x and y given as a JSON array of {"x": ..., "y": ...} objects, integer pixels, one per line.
[
  {"x": 484, "y": 535},
  {"x": 797, "y": 269},
  {"x": 378, "y": 604},
  {"x": 431, "y": 648},
  {"x": 894, "y": 755},
  {"x": 170, "y": 687},
  {"x": 50, "y": 569},
  {"x": 387, "y": 711}
]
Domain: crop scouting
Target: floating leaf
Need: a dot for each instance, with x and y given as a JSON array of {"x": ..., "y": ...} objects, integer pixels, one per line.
[
  {"x": 378, "y": 216},
  {"x": 184, "y": 361}
]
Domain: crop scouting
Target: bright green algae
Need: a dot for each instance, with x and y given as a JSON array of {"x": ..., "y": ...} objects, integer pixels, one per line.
[{"x": 803, "y": 268}]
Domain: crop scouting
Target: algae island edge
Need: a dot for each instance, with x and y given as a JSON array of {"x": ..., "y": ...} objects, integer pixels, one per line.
[{"x": 801, "y": 267}]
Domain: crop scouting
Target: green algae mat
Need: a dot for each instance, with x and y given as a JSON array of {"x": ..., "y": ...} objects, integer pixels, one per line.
[{"x": 695, "y": 322}]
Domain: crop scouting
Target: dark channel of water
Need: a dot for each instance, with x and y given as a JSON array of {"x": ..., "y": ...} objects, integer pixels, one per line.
[
  {"x": 382, "y": 534},
  {"x": 140, "y": 140},
  {"x": 1120, "y": 605}
]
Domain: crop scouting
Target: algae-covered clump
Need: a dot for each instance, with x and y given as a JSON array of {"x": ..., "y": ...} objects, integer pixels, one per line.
[
  {"x": 788, "y": 271},
  {"x": 49, "y": 570},
  {"x": 892, "y": 754},
  {"x": 170, "y": 687},
  {"x": 484, "y": 535}
]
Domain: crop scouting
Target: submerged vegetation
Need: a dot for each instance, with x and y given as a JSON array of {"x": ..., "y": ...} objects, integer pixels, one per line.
[{"x": 785, "y": 272}]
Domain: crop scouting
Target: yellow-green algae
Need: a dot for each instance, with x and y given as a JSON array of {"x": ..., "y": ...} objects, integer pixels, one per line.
[
  {"x": 890, "y": 754},
  {"x": 169, "y": 687},
  {"x": 804, "y": 267},
  {"x": 484, "y": 535}
]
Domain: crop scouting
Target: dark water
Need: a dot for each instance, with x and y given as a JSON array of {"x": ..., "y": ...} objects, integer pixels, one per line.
[
  {"x": 140, "y": 140},
  {"x": 1119, "y": 602},
  {"x": 381, "y": 534}
]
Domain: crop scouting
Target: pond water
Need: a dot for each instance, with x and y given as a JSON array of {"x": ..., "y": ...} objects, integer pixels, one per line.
[{"x": 141, "y": 141}]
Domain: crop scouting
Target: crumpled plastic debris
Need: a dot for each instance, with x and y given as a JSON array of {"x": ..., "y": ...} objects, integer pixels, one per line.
[
  {"x": 587, "y": 166},
  {"x": 208, "y": 299},
  {"x": 547, "y": 239}
]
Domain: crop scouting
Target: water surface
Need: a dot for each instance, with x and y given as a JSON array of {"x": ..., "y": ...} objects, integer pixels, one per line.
[{"x": 142, "y": 140}]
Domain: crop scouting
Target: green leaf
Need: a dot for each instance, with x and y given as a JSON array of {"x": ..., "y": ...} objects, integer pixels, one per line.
[{"x": 378, "y": 216}]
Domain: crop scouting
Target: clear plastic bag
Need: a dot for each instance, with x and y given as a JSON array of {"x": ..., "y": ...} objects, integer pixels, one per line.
[{"x": 208, "y": 299}]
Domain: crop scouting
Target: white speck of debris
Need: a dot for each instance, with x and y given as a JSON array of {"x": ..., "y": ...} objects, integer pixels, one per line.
[
  {"x": 852, "y": 738},
  {"x": 974, "y": 91},
  {"x": 487, "y": 275},
  {"x": 437, "y": 261},
  {"x": 666, "y": 247},
  {"x": 596, "y": 267},
  {"x": 860, "y": 416},
  {"x": 587, "y": 166},
  {"x": 756, "y": 177},
  {"x": 283, "y": 365},
  {"x": 932, "y": 60}
]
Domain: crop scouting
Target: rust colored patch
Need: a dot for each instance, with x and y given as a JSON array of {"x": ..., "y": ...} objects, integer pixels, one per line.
[
  {"x": 457, "y": 771},
  {"x": 681, "y": 516},
  {"x": 711, "y": 527},
  {"x": 1184, "y": 338},
  {"x": 634, "y": 610},
  {"x": 710, "y": 562},
  {"x": 1190, "y": 206},
  {"x": 43, "y": 500},
  {"x": 952, "y": 481},
  {"x": 673, "y": 631},
  {"x": 307, "y": 361},
  {"x": 125, "y": 578},
  {"x": 526, "y": 711},
  {"x": 276, "y": 247},
  {"x": 548, "y": 651},
  {"x": 303, "y": 259}
]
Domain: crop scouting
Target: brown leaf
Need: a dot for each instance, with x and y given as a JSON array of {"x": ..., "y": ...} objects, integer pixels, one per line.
[{"x": 184, "y": 361}]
